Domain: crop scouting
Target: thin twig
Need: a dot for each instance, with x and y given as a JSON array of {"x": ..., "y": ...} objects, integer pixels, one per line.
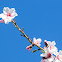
[{"x": 27, "y": 37}]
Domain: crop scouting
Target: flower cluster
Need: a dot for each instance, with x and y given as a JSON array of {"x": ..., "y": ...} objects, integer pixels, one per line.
[
  {"x": 7, "y": 15},
  {"x": 49, "y": 53},
  {"x": 36, "y": 42},
  {"x": 50, "y": 50}
]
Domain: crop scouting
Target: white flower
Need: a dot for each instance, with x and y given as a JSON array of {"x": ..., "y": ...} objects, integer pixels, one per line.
[
  {"x": 47, "y": 55},
  {"x": 51, "y": 47},
  {"x": 58, "y": 57},
  {"x": 8, "y": 14},
  {"x": 37, "y": 41}
]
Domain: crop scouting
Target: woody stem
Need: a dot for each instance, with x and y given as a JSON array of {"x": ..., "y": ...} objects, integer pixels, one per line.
[
  {"x": 14, "y": 23},
  {"x": 26, "y": 35}
]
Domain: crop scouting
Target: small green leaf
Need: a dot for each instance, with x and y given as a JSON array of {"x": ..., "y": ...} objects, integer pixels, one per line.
[{"x": 43, "y": 51}]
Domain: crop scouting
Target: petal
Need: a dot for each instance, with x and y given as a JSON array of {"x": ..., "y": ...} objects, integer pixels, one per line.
[
  {"x": 43, "y": 60},
  {"x": 14, "y": 14},
  {"x": 49, "y": 43},
  {"x": 51, "y": 59},
  {"x": 7, "y": 20},
  {"x": 39, "y": 40},
  {"x": 53, "y": 43},
  {"x": 3, "y": 16},
  {"x": 6, "y": 10},
  {"x": 34, "y": 39},
  {"x": 12, "y": 10},
  {"x": 60, "y": 52}
]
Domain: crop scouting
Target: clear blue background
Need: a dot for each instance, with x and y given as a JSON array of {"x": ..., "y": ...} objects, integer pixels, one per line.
[{"x": 40, "y": 19}]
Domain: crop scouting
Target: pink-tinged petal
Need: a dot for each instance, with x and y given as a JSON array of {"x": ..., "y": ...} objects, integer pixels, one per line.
[
  {"x": 34, "y": 39},
  {"x": 50, "y": 47},
  {"x": 45, "y": 47},
  {"x": 2, "y": 21},
  {"x": 29, "y": 47},
  {"x": 58, "y": 57}
]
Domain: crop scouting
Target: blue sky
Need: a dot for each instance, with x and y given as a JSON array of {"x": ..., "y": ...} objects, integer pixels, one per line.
[{"x": 40, "y": 19}]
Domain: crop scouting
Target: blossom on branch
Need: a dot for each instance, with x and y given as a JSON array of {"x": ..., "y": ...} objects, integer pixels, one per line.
[
  {"x": 47, "y": 56},
  {"x": 37, "y": 41},
  {"x": 58, "y": 57},
  {"x": 29, "y": 47},
  {"x": 49, "y": 51},
  {"x": 52, "y": 48},
  {"x": 7, "y": 15}
]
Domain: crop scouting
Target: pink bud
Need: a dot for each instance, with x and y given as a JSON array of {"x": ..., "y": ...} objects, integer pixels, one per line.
[
  {"x": 1, "y": 21},
  {"x": 29, "y": 47}
]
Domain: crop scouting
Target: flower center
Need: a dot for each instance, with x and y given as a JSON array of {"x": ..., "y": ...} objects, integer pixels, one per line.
[
  {"x": 9, "y": 14},
  {"x": 48, "y": 55}
]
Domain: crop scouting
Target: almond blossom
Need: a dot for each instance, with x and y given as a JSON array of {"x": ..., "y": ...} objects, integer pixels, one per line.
[
  {"x": 49, "y": 50},
  {"x": 47, "y": 56},
  {"x": 7, "y": 15},
  {"x": 51, "y": 47},
  {"x": 37, "y": 41},
  {"x": 58, "y": 57}
]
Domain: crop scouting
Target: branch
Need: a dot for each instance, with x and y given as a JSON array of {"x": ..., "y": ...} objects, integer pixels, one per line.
[{"x": 26, "y": 35}]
